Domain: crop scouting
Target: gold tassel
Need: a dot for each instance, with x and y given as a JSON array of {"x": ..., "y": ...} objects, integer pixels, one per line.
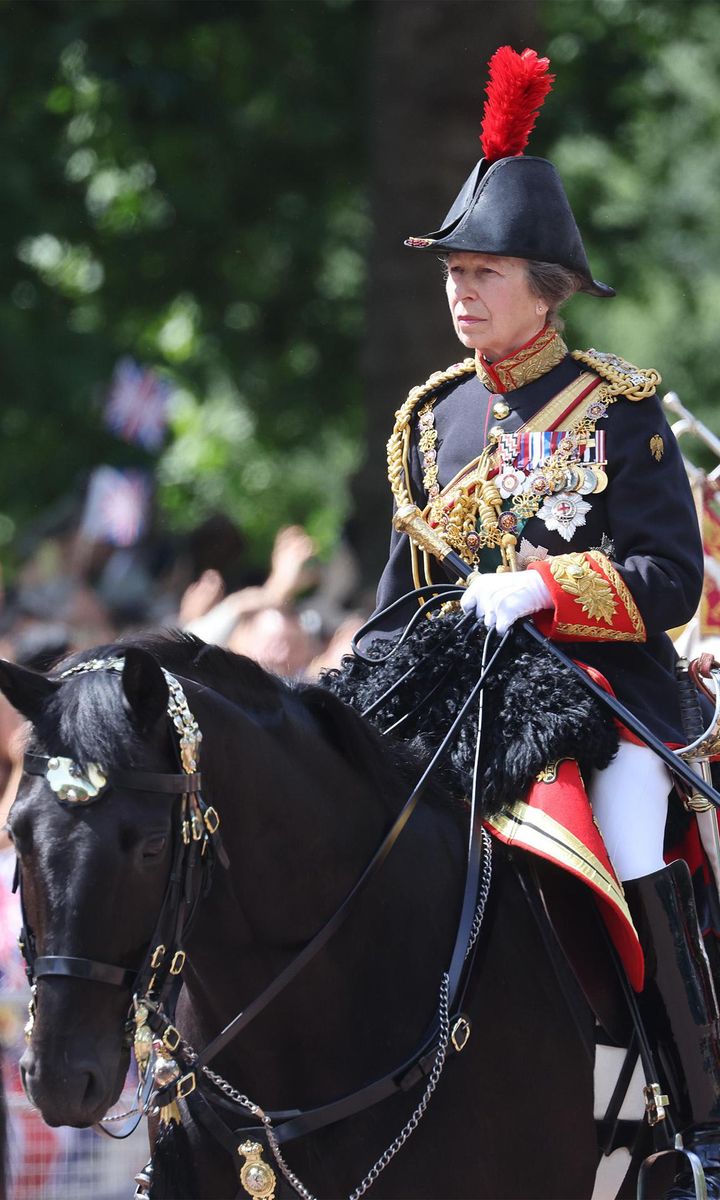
[{"x": 170, "y": 1114}]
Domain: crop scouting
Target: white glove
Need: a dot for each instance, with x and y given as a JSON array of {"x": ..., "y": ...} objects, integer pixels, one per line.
[{"x": 501, "y": 599}]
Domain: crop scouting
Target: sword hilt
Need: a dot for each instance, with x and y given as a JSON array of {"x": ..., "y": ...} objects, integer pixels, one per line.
[{"x": 693, "y": 724}]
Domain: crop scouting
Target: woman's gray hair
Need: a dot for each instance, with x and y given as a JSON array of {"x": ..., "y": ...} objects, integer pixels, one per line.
[{"x": 554, "y": 285}]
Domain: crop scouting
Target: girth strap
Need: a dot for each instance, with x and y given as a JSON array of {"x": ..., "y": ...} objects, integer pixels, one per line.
[{"x": 83, "y": 968}]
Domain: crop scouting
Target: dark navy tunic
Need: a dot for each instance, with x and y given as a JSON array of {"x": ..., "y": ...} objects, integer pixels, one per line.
[{"x": 645, "y": 522}]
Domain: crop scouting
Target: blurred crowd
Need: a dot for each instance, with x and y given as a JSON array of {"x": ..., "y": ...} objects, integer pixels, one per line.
[{"x": 296, "y": 620}]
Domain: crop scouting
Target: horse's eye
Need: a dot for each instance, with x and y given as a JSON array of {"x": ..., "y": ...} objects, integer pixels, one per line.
[{"x": 154, "y": 846}]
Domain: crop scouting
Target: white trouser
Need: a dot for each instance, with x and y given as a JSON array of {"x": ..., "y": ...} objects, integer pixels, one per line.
[{"x": 629, "y": 802}]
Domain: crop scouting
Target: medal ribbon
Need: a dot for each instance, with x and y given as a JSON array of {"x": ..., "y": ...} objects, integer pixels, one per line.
[{"x": 533, "y": 449}]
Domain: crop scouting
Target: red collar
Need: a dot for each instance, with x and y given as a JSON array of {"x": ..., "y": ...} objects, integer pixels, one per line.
[{"x": 535, "y": 358}]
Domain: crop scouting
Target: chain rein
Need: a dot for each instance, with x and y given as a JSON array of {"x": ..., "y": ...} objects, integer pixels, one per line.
[{"x": 413, "y": 1121}]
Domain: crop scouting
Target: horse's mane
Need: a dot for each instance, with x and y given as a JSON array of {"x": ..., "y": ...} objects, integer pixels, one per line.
[
  {"x": 87, "y": 718},
  {"x": 535, "y": 712}
]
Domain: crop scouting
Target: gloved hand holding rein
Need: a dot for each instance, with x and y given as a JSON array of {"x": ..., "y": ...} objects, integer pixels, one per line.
[{"x": 501, "y": 599}]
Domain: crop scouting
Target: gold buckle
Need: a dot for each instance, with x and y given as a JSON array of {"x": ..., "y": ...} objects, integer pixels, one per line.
[
  {"x": 185, "y": 1086},
  {"x": 655, "y": 1104},
  {"x": 460, "y": 1034},
  {"x": 178, "y": 962},
  {"x": 212, "y": 820},
  {"x": 157, "y": 957},
  {"x": 171, "y": 1038}
]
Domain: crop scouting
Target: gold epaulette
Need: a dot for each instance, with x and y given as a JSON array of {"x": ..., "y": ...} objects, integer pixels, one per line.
[{"x": 634, "y": 383}]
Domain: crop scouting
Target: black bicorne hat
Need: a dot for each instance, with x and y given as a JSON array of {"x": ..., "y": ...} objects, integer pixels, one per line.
[{"x": 511, "y": 205}]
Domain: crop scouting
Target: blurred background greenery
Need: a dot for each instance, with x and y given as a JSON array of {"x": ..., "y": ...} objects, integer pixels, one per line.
[{"x": 220, "y": 190}]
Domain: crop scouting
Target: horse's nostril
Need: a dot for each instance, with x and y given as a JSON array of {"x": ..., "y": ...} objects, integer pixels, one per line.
[{"x": 94, "y": 1090}]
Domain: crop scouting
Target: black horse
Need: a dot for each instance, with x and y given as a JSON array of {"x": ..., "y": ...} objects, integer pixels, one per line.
[{"x": 305, "y": 790}]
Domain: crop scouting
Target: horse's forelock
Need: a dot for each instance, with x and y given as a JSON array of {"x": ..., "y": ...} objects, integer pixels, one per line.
[{"x": 86, "y": 720}]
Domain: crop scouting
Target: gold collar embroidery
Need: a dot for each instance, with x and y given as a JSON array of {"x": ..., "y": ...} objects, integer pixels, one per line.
[{"x": 535, "y": 358}]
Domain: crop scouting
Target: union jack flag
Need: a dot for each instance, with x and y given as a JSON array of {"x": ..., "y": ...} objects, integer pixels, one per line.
[
  {"x": 136, "y": 408},
  {"x": 117, "y": 506}
]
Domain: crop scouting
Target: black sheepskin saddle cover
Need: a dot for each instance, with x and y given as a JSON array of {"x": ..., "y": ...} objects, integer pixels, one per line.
[{"x": 535, "y": 710}]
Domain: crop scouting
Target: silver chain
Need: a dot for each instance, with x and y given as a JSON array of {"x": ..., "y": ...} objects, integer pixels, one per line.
[
  {"x": 410, "y": 1127},
  {"x": 186, "y": 727},
  {"x": 412, "y": 1124},
  {"x": 483, "y": 890},
  {"x": 130, "y": 1112},
  {"x": 440, "y": 1056}
]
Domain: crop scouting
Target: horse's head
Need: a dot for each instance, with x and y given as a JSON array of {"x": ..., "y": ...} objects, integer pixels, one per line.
[{"x": 93, "y": 867}]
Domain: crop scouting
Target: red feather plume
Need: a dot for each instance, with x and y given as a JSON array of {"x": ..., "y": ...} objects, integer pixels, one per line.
[{"x": 517, "y": 86}]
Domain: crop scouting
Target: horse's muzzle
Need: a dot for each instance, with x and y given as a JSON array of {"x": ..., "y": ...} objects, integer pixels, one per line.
[{"x": 77, "y": 1096}]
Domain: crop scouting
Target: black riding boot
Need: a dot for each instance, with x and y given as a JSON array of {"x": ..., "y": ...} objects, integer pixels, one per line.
[{"x": 680, "y": 1009}]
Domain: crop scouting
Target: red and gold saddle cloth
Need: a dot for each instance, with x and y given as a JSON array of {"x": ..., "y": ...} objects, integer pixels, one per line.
[{"x": 555, "y": 822}]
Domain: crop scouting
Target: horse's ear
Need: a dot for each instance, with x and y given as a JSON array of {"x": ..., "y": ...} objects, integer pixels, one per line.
[
  {"x": 26, "y": 690},
  {"x": 145, "y": 687}
]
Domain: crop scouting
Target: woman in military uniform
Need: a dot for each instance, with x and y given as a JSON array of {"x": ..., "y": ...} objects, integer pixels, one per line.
[{"x": 556, "y": 478}]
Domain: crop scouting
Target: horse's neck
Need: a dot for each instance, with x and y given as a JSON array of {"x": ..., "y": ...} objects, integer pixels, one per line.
[
  {"x": 290, "y": 872},
  {"x": 298, "y": 823}
]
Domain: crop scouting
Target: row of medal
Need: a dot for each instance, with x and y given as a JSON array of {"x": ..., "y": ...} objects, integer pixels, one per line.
[
  {"x": 549, "y": 462},
  {"x": 548, "y": 474}
]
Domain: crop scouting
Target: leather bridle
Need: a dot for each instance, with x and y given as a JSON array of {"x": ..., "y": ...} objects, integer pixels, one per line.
[
  {"x": 196, "y": 847},
  {"x": 39, "y": 966}
]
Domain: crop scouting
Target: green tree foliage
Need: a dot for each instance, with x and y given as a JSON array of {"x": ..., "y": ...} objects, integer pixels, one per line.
[
  {"x": 634, "y": 128},
  {"x": 185, "y": 181},
  {"x": 182, "y": 182}
]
